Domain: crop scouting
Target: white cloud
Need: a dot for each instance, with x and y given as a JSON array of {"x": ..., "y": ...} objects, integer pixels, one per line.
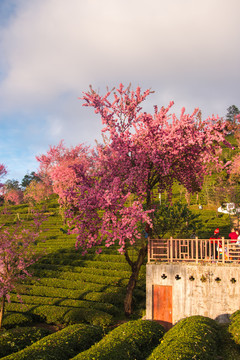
[
  {"x": 54, "y": 46},
  {"x": 51, "y": 50}
]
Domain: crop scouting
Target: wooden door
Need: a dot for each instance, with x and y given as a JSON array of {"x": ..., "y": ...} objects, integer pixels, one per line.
[{"x": 162, "y": 305}]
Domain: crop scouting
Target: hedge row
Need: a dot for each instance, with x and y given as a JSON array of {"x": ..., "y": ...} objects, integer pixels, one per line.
[
  {"x": 62, "y": 345},
  {"x": 51, "y": 291},
  {"x": 63, "y": 261},
  {"x": 114, "y": 297},
  {"x": 85, "y": 277},
  {"x": 40, "y": 300},
  {"x": 86, "y": 266},
  {"x": 62, "y": 314},
  {"x": 132, "y": 340},
  {"x": 17, "y": 339},
  {"x": 196, "y": 337},
  {"x": 62, "y": 283},
  {"x": 93, "y": 257},
  {"x": 11, "y": 320},
  {"x": 72, "y": 284},
  {"x": 114, "y": 272}
]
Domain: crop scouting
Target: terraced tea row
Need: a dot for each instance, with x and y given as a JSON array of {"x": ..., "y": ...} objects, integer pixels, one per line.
[
  {"x": 68, "y": 288},
  {"x": 196, "y": 337}
]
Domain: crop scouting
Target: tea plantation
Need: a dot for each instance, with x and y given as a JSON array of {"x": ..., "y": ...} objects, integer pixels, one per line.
[
  {"x": 67, "y": 288},
  {"x": 196, "y": 337},
  {"x": 80, "y": 300}
]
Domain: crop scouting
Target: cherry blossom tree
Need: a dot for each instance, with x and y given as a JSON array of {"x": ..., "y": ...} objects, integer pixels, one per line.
[
  {"x": 57, "y": 168},
  {"x": 111, "y": 198},
  {"x": 17, "y": 253},
  {"x": 37, "y": 191},
  {"x": 14, "y": 196}
]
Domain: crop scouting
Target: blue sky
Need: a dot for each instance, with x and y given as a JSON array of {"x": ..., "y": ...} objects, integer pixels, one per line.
[{"x": 51, "y": 50}]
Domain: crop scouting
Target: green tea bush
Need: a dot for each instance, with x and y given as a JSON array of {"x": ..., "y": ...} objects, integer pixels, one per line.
[
  {"x": 17, "y": 339},
  {"x": 196, "y": 337},
  {"x": 40, "y": 300},
  {"x": 51, "y": 314},
  {"x": 234, "y": 327},
  {"x": 132, "y": 340},
  {"x": 52, "y": 291},
  {"x": 86, "y": 277},
  {"x": 63, "y": 344},
  {"x": 85, "y": 264},
  {"x": 57, "y": 283},
  {"x": 89, "y": 315},
  {"x": 116, "y": 298},
  {"x": 11, "y": 320},
  {"x": 56, "y": 272}
]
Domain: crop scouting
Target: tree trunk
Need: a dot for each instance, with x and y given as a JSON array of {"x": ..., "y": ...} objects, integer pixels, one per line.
[
  {"x": 135, "y": 265},
  {"x": 2, "y": 310}
]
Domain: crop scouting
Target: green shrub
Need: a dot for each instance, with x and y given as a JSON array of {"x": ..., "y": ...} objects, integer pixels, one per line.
[
  {"x": 50, "y": 314},
  {"x": 45, "y": 313},
  {"x": 112, "y": 298},
  {"x": 17, "y": 339},
  {"x": 196, "y": 337},
  {"x": 234, "y": 327},
  {"x": 63, "y": 344},
  {"x": 132, "y": 340},
  {"x": 11, "y": 320},
  {"x": 51, "y": 291},
  {"x": 91, "y": 316},
  {"x": 63, "y": 314},
  {"x": 85, "y": 264},
  {"x": 40, "y": 300}
]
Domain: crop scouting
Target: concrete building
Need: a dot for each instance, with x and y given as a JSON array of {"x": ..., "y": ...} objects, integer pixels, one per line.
[{"x": 178, "y": 289}]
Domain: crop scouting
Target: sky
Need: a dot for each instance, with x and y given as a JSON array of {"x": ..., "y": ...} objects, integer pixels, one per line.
[{"x": 52, "y": 50}]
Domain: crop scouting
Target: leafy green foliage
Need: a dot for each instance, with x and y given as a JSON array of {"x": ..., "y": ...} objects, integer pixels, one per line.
[
  {"x": 12, "y": 184},
  {"x": 16, "y": 319},
  {"x": 132, "y": 340},
  {"x": 175, "y": 220},
  {"x": 63, "y": 344},
  {"x": 94, "y": 317},
  {"x": 232, "y": 111},
  {"x": 17, "y": 339},
  {"x": 58, "y": 314},
  {"x": 195, "y": 337},
  {"x": 28, "y": 178}
]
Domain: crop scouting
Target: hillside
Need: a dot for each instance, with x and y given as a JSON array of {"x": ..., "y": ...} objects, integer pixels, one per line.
[
  {"x": 68, "y": 293},
  {"x": 67, "y": 288}
]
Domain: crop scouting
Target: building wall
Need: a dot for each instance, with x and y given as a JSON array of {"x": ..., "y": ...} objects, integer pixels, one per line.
[{"x": 211, "y": 290}]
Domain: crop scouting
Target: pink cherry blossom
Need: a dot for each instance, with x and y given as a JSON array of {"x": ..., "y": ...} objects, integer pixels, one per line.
[
  {"x": 109, "y": 192},
  {"x": 14, "y": 196},
  {"x": 17, "y": 252}
]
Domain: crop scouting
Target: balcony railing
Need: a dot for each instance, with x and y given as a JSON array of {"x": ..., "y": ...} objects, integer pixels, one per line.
[{"x": 193, "y": 250}]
